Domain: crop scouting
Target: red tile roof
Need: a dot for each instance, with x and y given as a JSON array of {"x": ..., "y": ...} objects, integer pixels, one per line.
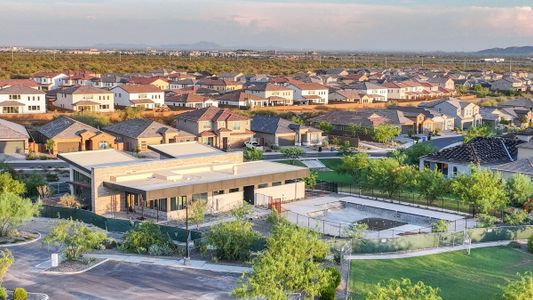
[
  {"x": 140, "y": 88},
  {"x": 212, "y": 114}
]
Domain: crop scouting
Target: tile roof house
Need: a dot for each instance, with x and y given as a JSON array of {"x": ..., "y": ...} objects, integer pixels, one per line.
[
  {"x": 21, "y": 99},
  {"x": 426, "y": 120},
  {"x": 220, "y": 85},
  {"x": 465, "y": 114},
  {"x": 276, "y": 94},
  {"x": 216, "y": 127},
  {"x": 85, "y": 98},
  {"x": 309, "y": 93},
  {"x": 138, "y": 134},
  {"x": 159, "y": 82},
  {"x": 191, "y": 100},
  {"x": 241, "y": 99},
  {"x": 275, "y": 131},
  {"x": 13, "y": 138},
  {"x": 49, "y": 80},
  {"x": 139, "y": 95},
  {"x": 24, "y": 82},
  {"x": 349, "y": 96},
  {"x": 376, "y": 91},
  {"x": 70, "y": 135},
  {"x": 481, "y": 151}
]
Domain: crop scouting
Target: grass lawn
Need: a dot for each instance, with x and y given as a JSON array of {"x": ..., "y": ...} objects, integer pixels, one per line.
[
  {"x": 290, "y": 162},
  {"x": 457, "y": 275}
]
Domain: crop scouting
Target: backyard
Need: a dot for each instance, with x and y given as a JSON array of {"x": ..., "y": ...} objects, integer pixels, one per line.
[{"x": 457, "y": 275}]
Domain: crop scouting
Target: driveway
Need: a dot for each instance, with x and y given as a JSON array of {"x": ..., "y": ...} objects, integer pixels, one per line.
[{"x": 116, "y": 280}]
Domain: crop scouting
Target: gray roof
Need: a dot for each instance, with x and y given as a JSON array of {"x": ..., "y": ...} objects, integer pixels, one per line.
[
  {"x": 522, "y": 166},
  {"x": 141, "y": 128},
  {"x": 64, "y": 127},
  {"x": 522, "y": 102},
  {"x": 267, "y": 124},
  {"x": 10, "y": 130}
]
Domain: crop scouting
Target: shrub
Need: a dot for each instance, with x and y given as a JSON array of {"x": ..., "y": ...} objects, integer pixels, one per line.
[
  {"x": 485, "y": 220},
  {"x": 20, "y": 294},
  {"x": 14, "y": 211},
  {"x": 3, "y": 293},
  {"x": 329, "y": 293},
  {"x": 75, "y": 239},
  {"x": 142, "y": 236},
  {"x": 530, "y": 244},
  {"x": 439, "y": 226},
  {"x": 520, "y": 288},
  {"x": 515, "y": 217},
  {"x": 233, "y": 240},
  {"x": 69, "y": 200},
  {"x": 160, "y": 250}
]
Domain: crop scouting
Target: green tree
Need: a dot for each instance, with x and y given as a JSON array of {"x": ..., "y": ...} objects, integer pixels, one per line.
[
  {"x": 520, "y": 288},
  {"x": 140, "y": 238},
  {"x": 354, "y": 165},
  {"x": 346, "y": 148},
  {"x": 292, "y": 153},
  {"x": 518, "y": 188},
  {"x": 482, "y": 189},
  {"x": 6, "y": 260},
  {"x": 132, "y": 112},
  {"x": 325, "y": 126},
  {"x": 8, "y": 184},
  {"x": 297, "y": 120},
  {"x": 439, "y": 226},
  {"x": 355, "y": 130},
  {"x": 32, "y": 182},
  {"x": 311, "y": 179},
  {"x": 461, "y": 89},
  {"x": 516, "y": 216},
  {"x": 251, "y": 154},
  {"x": 480, "y": 90},
  {"x": 356, "y": 231},
  {"x": 402, "y": 289},
  {"x": 75, "y": 239},
  {"x": 14, "y": 211},
  {"x": 49, "y": 146},
  {"x": 431, "y": 185},
  {"x": 413, "y": 153},
  {"x": 197, "y": 211},
  {"x": 388, "y": 175},
  {"x": 290, "y": 264},
  {"x": 233, "y": 240},
  {"x": 479, "y": 131},
  {"x": 92, "y": 118},
  {"x": 385, "y": 133}
]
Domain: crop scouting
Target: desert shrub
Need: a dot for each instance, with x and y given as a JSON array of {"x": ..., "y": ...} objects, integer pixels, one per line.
[
  {"x": 20, "y": 294},
  {"x": 69, "y": 200},
  {"x": 15, "y": 211},
  {"x": 75, "y": 239},
  {"x": 160, "y": 250},
  {"x": 140, "y": 238}
]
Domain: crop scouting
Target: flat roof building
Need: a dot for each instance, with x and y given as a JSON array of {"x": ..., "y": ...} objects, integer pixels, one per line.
[{"x": 111, "y": 181}]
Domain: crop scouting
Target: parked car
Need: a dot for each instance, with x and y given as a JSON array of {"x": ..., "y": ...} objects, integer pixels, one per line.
[{"x": 253, "y": 144}]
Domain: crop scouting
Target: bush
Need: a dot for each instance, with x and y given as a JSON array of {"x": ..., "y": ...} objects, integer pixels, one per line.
[
  {"x": 160, "y": 250},
  {"x": 3, "y": 293},
  {"x": 140, "y": 238},
  {"x": 20, "y": 294},
  {"x": 233, "y": 240},
  {"x": 530, "y": 244},
  {"x": 485, "y": 220},
  {"x": 515, "y": 217},
  {"x": 439, "y": 226},
  {"x": 329, "y": 293},
  {"x": 520, "y": 288},
  {"x": 69, "y": 200}
]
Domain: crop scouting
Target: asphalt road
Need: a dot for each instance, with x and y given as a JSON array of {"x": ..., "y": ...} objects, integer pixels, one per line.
[{"x": 115, "y": 280}]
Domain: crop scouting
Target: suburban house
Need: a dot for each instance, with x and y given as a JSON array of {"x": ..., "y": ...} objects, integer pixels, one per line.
[
  {"x": 160, "y": 83},
  {"x": 182, "y": 83},
  {"x": 309, "y": 93},
  {"x": 20, "y": 99},
  {"x": 426, "y": 120},
  {"x": 13, "y": 138},
  {"x": 465, "y": 114},
  {"x": 350, "y": 96},
  {"x": 242, "y": 99},
  {"x": 522, "y": 165},
  {"x": 191, "y": 100},
  {"x": 108, "y": 81},
  {"x": 49, "y": 80},
  {"x": 275, "y": 131},
  {"x": 374, "y": 90},
  {"x": 232, "y": 76},
  {"x": 216, "y": 127},
  {"x": 137, "y": 95},
  {"x": 80, "y": 78},
  {"x": 23, "y": 82},
  {"x": 484, "y": 152},
  {"x": 276, "y": 94},
  {"x": 508, "y": 84},
  {"x": 443, "y": 82},
  {"x": 85, "y": 98},
  {"x": 220, "y": 85},
  {"x": 109, "y": 181},
  {"x": 69, "y": 135},
  {"x": 137, "y": 134}
]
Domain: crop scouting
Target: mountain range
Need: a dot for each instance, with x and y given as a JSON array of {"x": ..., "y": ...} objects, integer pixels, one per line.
[{"x": 514, "y": 51}]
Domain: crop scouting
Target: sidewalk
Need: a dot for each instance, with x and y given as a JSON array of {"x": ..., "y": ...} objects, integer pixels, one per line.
[
  {"x": 174, "y": 263},
  {"x": 424, "y": 252}
]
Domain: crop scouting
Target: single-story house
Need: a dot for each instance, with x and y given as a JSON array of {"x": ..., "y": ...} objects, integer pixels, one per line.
[
  {"x": 13, "y": 138},
  {"x": 275, "y": 131}
]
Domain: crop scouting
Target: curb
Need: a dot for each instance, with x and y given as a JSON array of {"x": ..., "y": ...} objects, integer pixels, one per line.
[
  {"x": 75, "y": 272},
  {"x": 39, "y": 236}
]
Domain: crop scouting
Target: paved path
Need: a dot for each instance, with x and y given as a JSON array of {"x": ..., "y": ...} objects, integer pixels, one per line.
[{"x": 423, "y": 252}]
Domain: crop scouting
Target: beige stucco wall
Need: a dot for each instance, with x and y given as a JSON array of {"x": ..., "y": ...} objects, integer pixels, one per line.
[{"x": 285, "y": 192}]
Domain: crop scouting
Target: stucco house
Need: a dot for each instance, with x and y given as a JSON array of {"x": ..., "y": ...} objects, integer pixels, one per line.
[
  {"x": 85, "y": 98},
  {"x": 275, "y": 131},
  {"x": 310, "y": 93},
  {"x": 465, "y": 114},
  {"x": 14, "y": 138},
  {"x": 276, "y": 94},
  {"x": 137, "y": 95},
  {"x": 20, "y": 99}
]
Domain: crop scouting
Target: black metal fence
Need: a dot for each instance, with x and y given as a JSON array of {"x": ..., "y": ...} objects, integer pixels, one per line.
[{"x": 110, "y": 224}]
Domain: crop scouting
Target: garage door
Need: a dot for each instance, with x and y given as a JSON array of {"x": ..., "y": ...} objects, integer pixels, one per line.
[
  {"x": 11, "y": 146},
  {"x": 286, "y": 141}
]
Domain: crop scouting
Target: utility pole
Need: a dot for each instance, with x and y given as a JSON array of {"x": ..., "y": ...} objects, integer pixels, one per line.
[
  {"x": 12, "y": 55},
  {"x": 510, "y": 66}
]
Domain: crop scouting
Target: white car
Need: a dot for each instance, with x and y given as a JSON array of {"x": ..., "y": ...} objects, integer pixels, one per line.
[{"x": 252, "y": 145}]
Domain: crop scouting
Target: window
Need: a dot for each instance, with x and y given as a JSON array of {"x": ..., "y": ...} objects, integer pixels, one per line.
[
  {"x": 106, "y": 106},
  {"x": 199, "y": 197},
  {"x": 162, "y": 204},
  {"x": 220, "y": 192},
  {"x": 454, "y": 171},
  {"x": 14, "y": 97},
  {"x": 178, "y": 203},
  {"x": 103, "y": 145},
  {"x": 277, "y": 183},
  {"x": 233, "y": 190},
  {"x": 236, "y": 125},
  {"x": 10, "y": 110},
  {"x": 262, "y": 185},
  {"x": 34, "y": 107}
]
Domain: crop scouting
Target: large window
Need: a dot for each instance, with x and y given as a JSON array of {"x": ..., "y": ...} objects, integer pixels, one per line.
[
  {"x": 233, "y": 190},
  {"x": 178, "y": 203},
  {"x": 199, "y": 197}
]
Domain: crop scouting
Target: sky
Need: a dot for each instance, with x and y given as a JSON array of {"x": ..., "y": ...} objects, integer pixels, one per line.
[{"x": 387, "y": 25}]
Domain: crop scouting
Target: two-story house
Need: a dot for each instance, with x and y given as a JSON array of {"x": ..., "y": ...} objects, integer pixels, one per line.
[
  {"x": 276, "y": 94},
  {"x": 242, "y": 99},
  {"x": 137, "y": 95},
  {"x": 508, "y": 84},
  {"x": 49, "y": 80},
  {"x": 465, "y": 114},
  {"x": 85, "y": 98},
  {"x": 219, "y": 85},
  {"x": 19, "y": 99},
  {"x": 161, "y": 83},
  {"x": 217, "y": 127},
  {"x": 191, "y": 100},
  {"x": 374, "y": 90},
  {"x": 312, "y": 93}
]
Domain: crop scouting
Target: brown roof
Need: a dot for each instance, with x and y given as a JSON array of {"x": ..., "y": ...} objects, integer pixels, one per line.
[
  {"x": 143, "y": 128},
  {"x": 217, "y": 82},
  {"x": 212, "y": 114},
  {"x": 307, "y": 86},
  {"x": 145, "y": 80},
  {"x": 10, "y": 130},
  {"x": 187, "y": 98},
  {"x": 140, "y": 88},
  {"x": 83, "y": 89},
  {"x": 19, "y": 89},
  {"x": 239, "y": 96},
  {"x": 11, "y": 103},
  {"x": 141, "y": 101},
  {"x": 267, "y": 87},
  {"x": 24, "y": 82}
]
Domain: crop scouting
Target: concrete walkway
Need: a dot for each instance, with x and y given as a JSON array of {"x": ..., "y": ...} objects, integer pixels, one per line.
[
  {"x": 174, "y": 263},
  {"x": 424, "y": 252}
]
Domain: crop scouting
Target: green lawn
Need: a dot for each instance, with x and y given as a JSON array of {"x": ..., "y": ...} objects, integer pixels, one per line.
[
  {"x": 457, "y": 275},
  {"x": 290, "y": 162}
]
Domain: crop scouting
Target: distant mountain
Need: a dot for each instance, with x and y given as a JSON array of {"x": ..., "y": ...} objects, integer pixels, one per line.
[
  {"x": 202, "y": 45},
  {"x": 514, "y": 51}
]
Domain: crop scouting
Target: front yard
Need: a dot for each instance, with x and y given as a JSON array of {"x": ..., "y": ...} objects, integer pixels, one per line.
[{"x": 457, "y": 275}]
